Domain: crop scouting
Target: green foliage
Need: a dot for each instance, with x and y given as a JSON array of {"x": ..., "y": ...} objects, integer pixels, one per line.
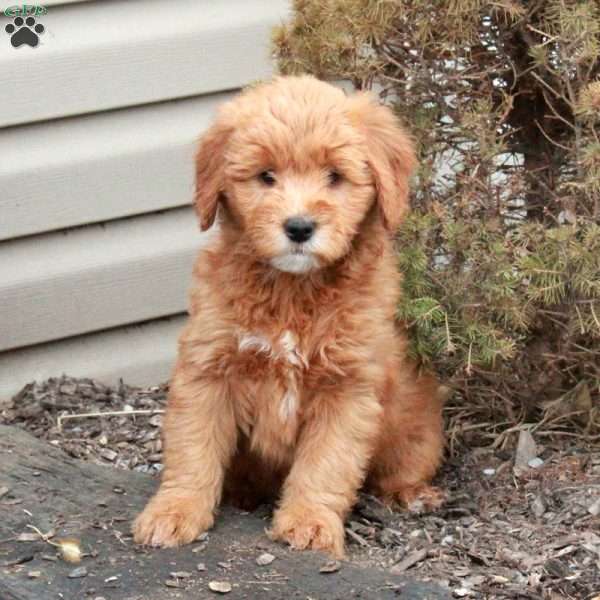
[{"x": 501, "y": 254}]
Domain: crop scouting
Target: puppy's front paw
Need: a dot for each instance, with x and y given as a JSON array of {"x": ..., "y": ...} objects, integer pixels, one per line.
[
  {"x": 309, "y": 527},
  {"x": 170, "y": 520}
]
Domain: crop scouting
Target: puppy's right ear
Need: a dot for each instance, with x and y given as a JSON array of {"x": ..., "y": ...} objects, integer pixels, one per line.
[{"x": 210, "y": 176}]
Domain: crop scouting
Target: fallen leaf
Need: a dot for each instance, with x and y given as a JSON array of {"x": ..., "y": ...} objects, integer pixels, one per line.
[
  {"x": 265, "y": 559},
  {"x": 78, "y": 573},
  {"x": 70, "y": 550},
  {"x": 331, "y": 567}
]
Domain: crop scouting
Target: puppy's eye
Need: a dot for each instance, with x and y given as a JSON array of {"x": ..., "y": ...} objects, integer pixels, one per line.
[
  {"x": 267, "y": 177},
  {"x": 335, "y": 177}
]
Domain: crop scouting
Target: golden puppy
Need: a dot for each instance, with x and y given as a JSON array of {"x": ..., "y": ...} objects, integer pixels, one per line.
[{"x": 292, "y": 379}]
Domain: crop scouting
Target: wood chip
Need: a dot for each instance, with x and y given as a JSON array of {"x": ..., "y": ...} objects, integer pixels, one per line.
[
  {"x": 526, "y": 450},
  {"x": 200, "y": 567},
  {"x": 594, "y": 509},
  {"x": 4, "y": 490},
  {"x": 108, "y": 454},
  {"x": 359, "y": 539},
  {"x": 173, "y": 583},
  {"x": 34, "y": 574},
  {"x": 538, "y": 506},
  {"x": 412, "y": 559},
  {"x": 28, "y": 537},
  {"x": 220, "y": 587}
]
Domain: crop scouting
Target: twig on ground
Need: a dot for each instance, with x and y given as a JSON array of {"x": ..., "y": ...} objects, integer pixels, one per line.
[{"x": 110, "y": 413}]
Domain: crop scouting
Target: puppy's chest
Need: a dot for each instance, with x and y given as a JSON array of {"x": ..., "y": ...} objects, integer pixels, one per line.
[{"x": 270, "y": 371}]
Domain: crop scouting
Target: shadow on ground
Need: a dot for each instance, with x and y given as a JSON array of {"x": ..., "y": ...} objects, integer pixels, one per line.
[{"x": 61, "y": 496}]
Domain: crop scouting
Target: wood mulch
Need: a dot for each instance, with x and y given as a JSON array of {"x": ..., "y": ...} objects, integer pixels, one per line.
[{"x": 525, "y": 531}]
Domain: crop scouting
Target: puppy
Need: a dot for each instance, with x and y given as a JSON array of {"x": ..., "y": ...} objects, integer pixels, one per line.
[{"x": 292, "y": 380}]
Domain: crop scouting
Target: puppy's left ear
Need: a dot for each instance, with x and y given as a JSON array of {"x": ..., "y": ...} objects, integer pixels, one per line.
[
  {"x": 391, "y": 156},
  {"x": 210, "y": 176}
]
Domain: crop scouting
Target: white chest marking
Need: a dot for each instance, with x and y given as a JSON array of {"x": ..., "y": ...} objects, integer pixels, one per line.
[
  {"x": 285, "y": 348},
  {"x": 259, "y": 343}
]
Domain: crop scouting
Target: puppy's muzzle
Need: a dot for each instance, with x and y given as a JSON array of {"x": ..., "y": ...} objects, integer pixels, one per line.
[{"x": 299, "y": 229}]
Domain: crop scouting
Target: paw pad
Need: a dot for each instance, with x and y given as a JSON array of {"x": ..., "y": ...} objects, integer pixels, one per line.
[{"x": 24, "y": 31}]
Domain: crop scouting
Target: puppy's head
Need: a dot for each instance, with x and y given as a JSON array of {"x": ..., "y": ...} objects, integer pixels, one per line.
[{"x": 299, "y": 165}]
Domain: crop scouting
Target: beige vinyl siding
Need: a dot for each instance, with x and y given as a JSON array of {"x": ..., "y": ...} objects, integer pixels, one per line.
[
  {"x": 98, "y": 128},
  {"x": 101, "y": 166}
]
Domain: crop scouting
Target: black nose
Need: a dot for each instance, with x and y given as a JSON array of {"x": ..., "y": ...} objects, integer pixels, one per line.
[{"x": 299, "y": 229}]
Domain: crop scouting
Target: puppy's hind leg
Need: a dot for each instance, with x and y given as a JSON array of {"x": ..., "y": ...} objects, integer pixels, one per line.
[{"x": 411, "y": 445}]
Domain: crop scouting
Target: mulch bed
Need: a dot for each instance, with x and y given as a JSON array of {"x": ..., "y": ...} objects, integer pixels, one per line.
[{"x": 506, "y": 532}]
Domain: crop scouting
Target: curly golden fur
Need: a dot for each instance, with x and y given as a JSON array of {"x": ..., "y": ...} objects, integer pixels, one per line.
[{"x": 292, "y": 380}]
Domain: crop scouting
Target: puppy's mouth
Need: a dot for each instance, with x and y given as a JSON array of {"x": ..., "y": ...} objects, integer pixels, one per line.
[{"x": 297, "y": 260}]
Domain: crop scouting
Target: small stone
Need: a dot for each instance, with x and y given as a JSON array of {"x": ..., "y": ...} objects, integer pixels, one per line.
[
  {"x": 78, "y": 573},
  {"x": 461, "y": 592},
  {"x": 111, "y": 578},
  {"x": 265, "y": 559},
  {"x": 535, "y": 463},
  {"x": 220, "y": 587},
  {"x": 173, "y": 583},
  {"x": 489, "y": 472},
  {"x": 448, "y": 540},
  {"x": 200, "y": 567},
  {"x": 34, "y": 574},
  {"x": 180, "y": 574},
  {"x": 333, "y": 566}
]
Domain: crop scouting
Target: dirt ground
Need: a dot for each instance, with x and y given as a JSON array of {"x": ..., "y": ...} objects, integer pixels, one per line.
[{"x": 522, "y": 521}]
